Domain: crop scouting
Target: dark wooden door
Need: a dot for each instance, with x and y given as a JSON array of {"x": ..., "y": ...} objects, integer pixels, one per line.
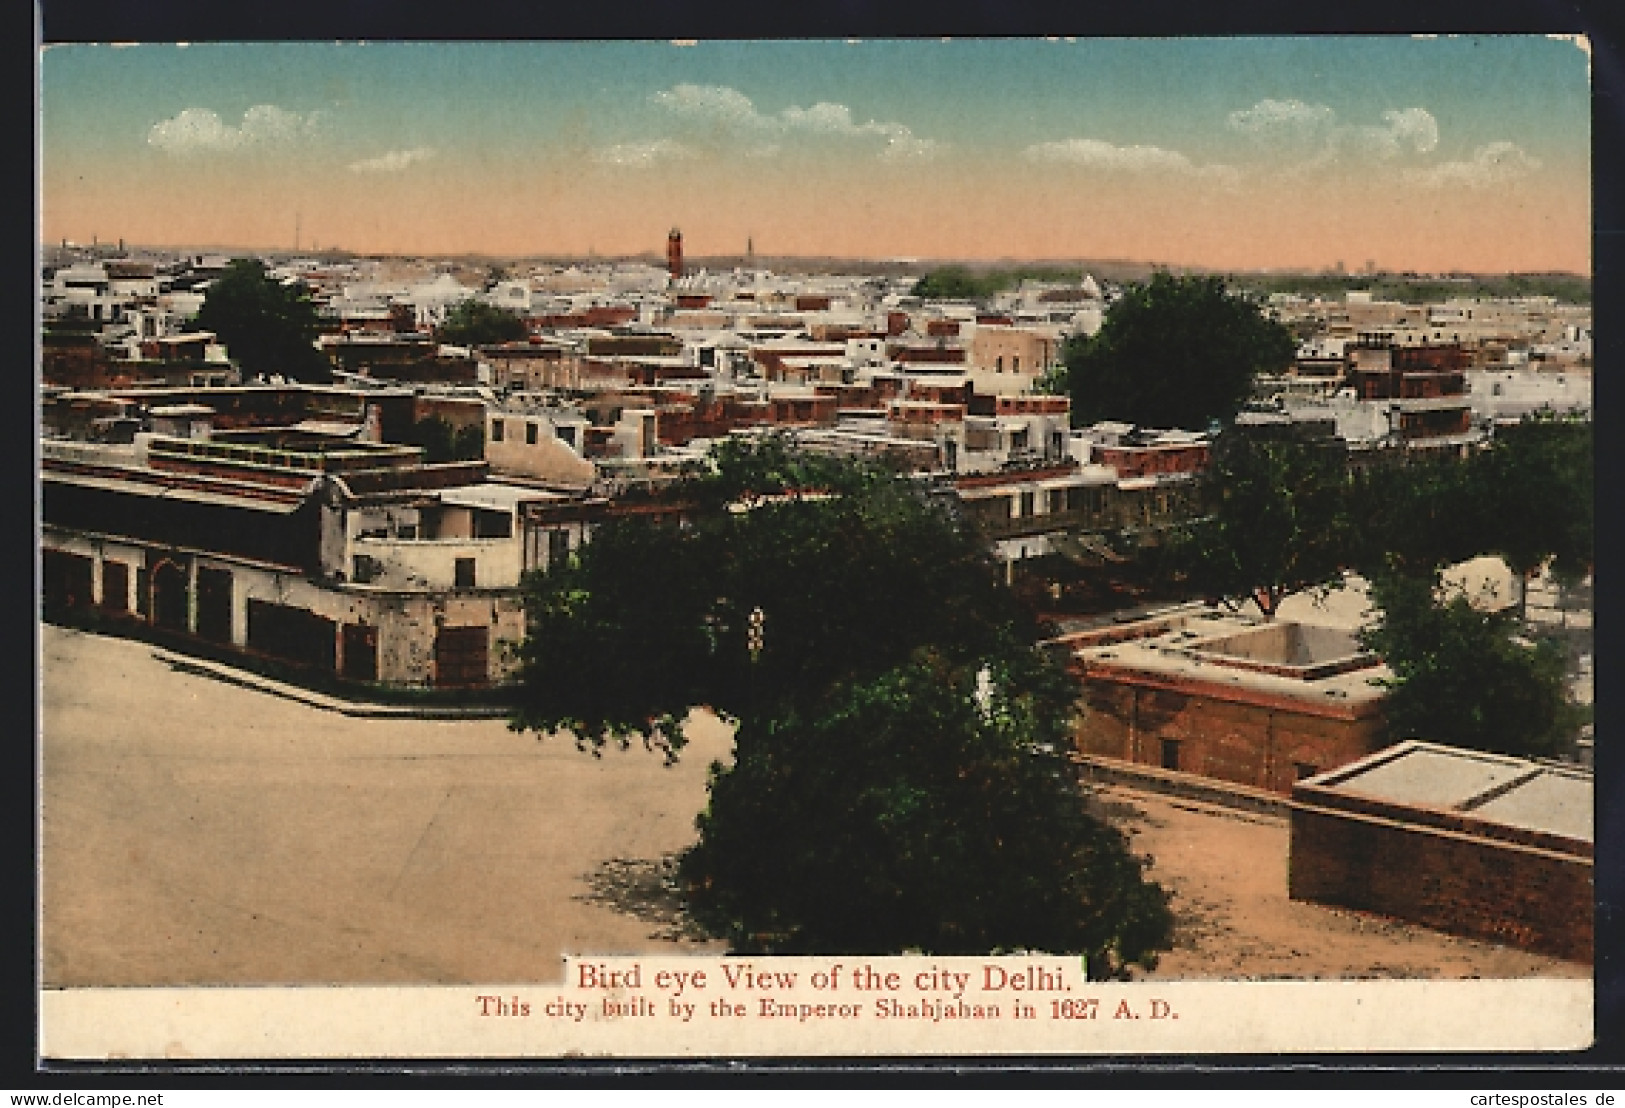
[
  {"x": 295, "y": 634},
  {"x": 461, "y": 657},
  {"x": 169, "y": 596},
  {"x": 214, "y": 604},
  {"x": 115, "y": 586},
  {"x": 360, "y": 660},
  {"x": 66, "y": 580}
]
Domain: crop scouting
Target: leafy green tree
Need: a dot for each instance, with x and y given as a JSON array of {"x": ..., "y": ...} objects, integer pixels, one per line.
[
  {"x": 1174, "y": 352},
  {"x": 477, "y": 323},
  {"x": 1536, "y": 490},
  {"x": 841, "y": 618},
  {"x": 851, "y": 568},
  {"x": 910, "y": 813},
  {"x": 956, "y": 283},
  {"x": 1274, "y": 521},
  {"x": 1419, "y": 515},
  {"x": 1527, "y": 497},
  {"x": 267, "y": 327},
  {"x": 1462, "y": 678},
  {"x": 442, "y": 442},
  {"x": 742, "y": 471},
  {"x": 468, "y": 443},
  {"x": 1284, "y": 515}
]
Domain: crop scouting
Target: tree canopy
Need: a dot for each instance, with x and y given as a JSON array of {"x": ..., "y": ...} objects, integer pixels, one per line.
[
  {"x": 899, "y": 779},
  {"x": 913, "y": 813},
  {"x": 1279, "y": 515},
  {"x": 442, "y": 442},
  {"x": 1284, "y": 515},
  {"x": 268, "y": 327},
  {"x": 1463, "y": 677},
  {"x": 475, "y": 322},
  {"x": 850, "y": 566},
  {"x": 1537, "y": 488},
  {"x": 956, "y": 282},
  {"x": 1274, "y": 521},
  {"x": 1174, "y": 352},
  {"x": 1526, "y": 497}
]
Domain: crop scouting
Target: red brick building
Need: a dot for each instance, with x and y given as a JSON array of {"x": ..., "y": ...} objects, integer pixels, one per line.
[
  {"x": 1146, "y": 461},
  {"x": 1475, "y": 844},
  {"x": 1261, "y": 704}
]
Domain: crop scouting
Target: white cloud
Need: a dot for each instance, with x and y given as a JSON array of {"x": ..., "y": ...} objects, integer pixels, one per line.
[
  {"x": 1269, "y": 118},
  {"x": 733, "y": 109},
  {"x": 717, "y": 101},
  {"x": 903, "y": 146},
  {"x": 1490, "y": 165},
  {"x": 641, "y": 155},
  {"x": 1287, "y": 123},
  {"x": 394, "y": 161},
  {"x": 1403, "y": 133},
  {"x": 835, "y": 119},
  {"x": 1105, "y": 156},
  {"x": 197, "y": 129},
  {"x": 1411, "y": 131},
  {"x": 1413, "y": 127}
]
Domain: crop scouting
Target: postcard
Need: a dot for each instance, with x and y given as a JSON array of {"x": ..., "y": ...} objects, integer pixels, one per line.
[{"x": 404, "y": 404}]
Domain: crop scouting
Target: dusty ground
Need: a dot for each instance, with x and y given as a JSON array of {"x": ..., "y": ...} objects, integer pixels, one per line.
[
  {"x": 195, "y": 832},
  {"x": 198, "y": 832}
]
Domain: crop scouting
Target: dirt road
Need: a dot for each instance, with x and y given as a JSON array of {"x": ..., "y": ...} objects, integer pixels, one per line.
[{"x": 198, "y": 832}]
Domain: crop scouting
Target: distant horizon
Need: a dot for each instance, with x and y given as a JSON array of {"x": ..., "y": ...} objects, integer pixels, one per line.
[
  {"x": 1465, "y": 154},
  {"x": 657, "y": 259}
]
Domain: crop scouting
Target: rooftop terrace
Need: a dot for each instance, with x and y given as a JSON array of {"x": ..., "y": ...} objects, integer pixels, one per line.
[
  {"x": 1500, "y": 795},
  {"x": 1235, "y": 657}
]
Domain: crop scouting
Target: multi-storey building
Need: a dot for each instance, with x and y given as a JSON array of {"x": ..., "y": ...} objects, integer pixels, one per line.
[{"x": 349, "y": 558}]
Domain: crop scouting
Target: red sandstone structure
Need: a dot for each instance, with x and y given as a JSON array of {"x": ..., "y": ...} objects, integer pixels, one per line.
[{"x": 674, "y": 254}]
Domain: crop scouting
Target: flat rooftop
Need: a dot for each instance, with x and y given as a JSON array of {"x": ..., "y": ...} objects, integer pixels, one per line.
[
  {"x": 1295, "y": 644},
  {"x": 1236, "y": 655},
  {"x": 497, "y": 496},
  {"x": 1495, "y": 789},
  {"x": 1287, "y": 649}
]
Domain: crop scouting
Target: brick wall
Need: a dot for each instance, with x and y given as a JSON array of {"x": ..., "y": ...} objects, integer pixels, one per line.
[
  {"x": 1259, "y": 745},
  {"x": 1139, "y": 461},
  {"x": 946, "y": 355},
  {"x": 1526, "y": 896}
]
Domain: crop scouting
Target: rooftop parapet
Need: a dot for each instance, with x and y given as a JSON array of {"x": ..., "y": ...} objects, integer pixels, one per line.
[{"x": 340, "y": 458}]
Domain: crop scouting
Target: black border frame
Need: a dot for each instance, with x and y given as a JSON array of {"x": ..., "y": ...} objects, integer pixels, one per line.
[{"x": 211, "y": 20}]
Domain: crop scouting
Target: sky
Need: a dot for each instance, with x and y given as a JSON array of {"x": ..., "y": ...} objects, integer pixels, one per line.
[{"x": 1428, "y": 154}]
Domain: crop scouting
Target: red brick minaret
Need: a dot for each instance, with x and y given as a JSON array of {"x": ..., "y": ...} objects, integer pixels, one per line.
[{"x": 674, "y": 253}]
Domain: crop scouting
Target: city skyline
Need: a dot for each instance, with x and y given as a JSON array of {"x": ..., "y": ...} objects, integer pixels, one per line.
[{"x": 1426, "y": 154}]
